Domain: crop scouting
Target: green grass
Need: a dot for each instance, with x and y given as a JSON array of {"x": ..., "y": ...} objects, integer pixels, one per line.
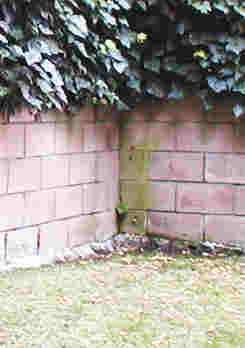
[{"x": 132, "y": 301}]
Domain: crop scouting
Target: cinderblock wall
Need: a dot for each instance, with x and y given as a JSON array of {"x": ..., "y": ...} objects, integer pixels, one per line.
[
  {"x": 183, "y": 172},
  {"x": 58, "y": 182}
]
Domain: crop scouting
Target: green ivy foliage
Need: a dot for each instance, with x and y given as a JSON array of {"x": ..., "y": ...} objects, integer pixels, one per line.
[{"x": 63, "y": 53}]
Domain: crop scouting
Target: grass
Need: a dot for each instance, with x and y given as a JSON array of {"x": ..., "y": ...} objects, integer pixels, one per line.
[{"x": 145, "y": 300}]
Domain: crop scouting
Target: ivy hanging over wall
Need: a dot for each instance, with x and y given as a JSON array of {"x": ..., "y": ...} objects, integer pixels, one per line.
[{"x": 63, "y": 53}]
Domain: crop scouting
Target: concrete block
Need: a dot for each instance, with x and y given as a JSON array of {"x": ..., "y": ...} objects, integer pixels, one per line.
[
  {"x": 12, "y": 141},
  {"x": 176, "y": 226},
  {"x": 12, "y": 211},
  {"x": 54, "y": 171},
  {"x": 225, "y": 229},
  {"x": 82, "y": 230},
  {"x": 82, "y": 168},
  {"x": 39, "y": 207},
  {"x": 24, "y": 175},
  {"x": 40, "y": 139},
  {"x": 227, "y": 168},
  {"x": 204, "y": 198},
  {"x": 176, "y": 166},
  {"x": 69, "y": 201}
]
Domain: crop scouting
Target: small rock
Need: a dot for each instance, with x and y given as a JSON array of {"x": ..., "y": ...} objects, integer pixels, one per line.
[
  {"x": 85, "y": 251},
  {"x": 103, "y": 248}
]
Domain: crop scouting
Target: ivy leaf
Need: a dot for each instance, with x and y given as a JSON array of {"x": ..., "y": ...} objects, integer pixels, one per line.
[
  {"x": 120, "y": 67},
  {"x": 3, "y": 39},
  {"x": 153, "y": 65},
  {"x": 203, "y": 7},
  {"x": 236, "y": 45},
  {"x": 33, "y": 56},
  {"x": 201, "y": 54},
  {"x": 134, "y": 84},
  {"x": 238, "y": 110},
  {"x": 77, "y": 25},
  {"x": 155, "y": 89}
]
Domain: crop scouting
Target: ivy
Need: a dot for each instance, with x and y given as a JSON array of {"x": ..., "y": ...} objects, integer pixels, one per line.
[{"x": 62, "y": 53}]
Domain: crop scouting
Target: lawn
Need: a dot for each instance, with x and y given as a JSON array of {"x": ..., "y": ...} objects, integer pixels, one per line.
[{"x": 144, "y": 300}]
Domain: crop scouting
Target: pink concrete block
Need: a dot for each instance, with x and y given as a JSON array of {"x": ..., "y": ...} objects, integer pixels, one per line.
[
  {"x": 161, "y": 136},
  {"x": 189, "y": 109},
  {"x": 54, "y": 171},
  {"x": 112, "y": 135},
  {"x": 105, "y": 113},
  {"x": 11, "y": 141},
  {"x": 95, "y": 198},
  {"x": 134, "y": 164},
  {"x": 53, "y": 237},
  {"x": 176, "y": 166},
  {"x": 107, "y": 166},
  {"x": 204, "y": 198},
  {"x": 221, "y": 112},
  {"x": 22, "y": 243},
  {"x": 54, "y": 115},
  {"x": 204, "y": 137},
  {"x": 40, "y": 139},
  {"x": 39, "y": 207},
  {"x": 102, "y": 136},
  {"x": 86, "y": 113},
  {"x": 12, "y": 212},
  {"x": 161, "y": 196},
  {"x": 239, "y": 201},
  {"x": 106, "y": 225},
  {"x": 69, "y": 201},
  {"x": 82, "y": 168},
  {"x": 225, "y": 168},
  {"x": 89, "y": 138},
  {"x": 133, "y": 135},
  {"x": 113, "y": 194},
  {"x": 220, "y": 138},
  {"x": 239, "y": 137},
  {"x": 22, "y": 116},
  {"x": 3, "y": 176},
  {"x": 24, "y": 175},
  {"x": 69, "y": 137},
  {"x": 3, "y": 250},
  {"x": 225, "y": 229},
  {"x": 82, "y": 230},
  {"x": 148, "y": 195},
  {"x": 176, "y": 226}
]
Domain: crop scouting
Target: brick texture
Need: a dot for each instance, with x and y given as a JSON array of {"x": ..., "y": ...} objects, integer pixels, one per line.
[
  {"x": 227, "y": 168},
  {"x": 204, "y": 198},
  {"x": 40, "y": 139},
  {"x": 176, "y": 226},
  {"x": 54, "y": 171},
  {"x": 82, "y": 230},
  {"x": 182, "y": 175},
  {"x": 239, "y": 201},
  {"x": 225, "y": 229},
  {"x": 96, "y": 198},
  {"x": 12, "y": 211},
  {"x": 176, "y": 166},
  {"x": 69, "y": 137},
  {"x": 12, "y": 141},
  {"x": 39, "y": 207},
  {"x": 4, "y": 166},
  {"x": 204, "y": 137},
  {"x": 69, "y": 201},
  {"x": 82, "y": 168},
  {"x": 24, "y": 175}
]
